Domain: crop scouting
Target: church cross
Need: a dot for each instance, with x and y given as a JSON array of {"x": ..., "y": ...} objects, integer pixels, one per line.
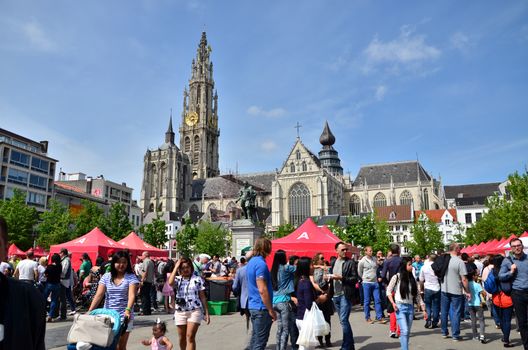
[{"x": 298, "y": 126}]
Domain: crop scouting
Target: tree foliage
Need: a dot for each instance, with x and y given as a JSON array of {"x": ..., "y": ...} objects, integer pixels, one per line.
[
  {"x": 20, "y": 219},
  {"x": 116, "y": 224},
  {"x": 365, "y": 231},
  {"x": 186, "y": 240},
  {"x": 212, "y": 239},
  {"x": 55, "y": 226},
  {"x": 88, "y": 218},
  {"x": 427, "y": 238},
  {"x": 506, "y": 216},
  {"x": 283, "y": 230},
  {"x": 154, "y": 233}
]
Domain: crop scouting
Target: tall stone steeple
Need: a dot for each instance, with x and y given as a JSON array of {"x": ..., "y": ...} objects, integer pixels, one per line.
[
  {"x": 169, "y": 134},
  {"x": 199, "y": 130},
  {"x": 328, "y": 155}
]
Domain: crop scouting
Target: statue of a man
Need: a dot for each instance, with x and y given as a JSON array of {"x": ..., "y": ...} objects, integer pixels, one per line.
[{"x": 247, "y": 197}]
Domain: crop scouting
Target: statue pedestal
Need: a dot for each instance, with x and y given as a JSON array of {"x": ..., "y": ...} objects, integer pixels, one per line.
[{"x": 244, "y": 233}]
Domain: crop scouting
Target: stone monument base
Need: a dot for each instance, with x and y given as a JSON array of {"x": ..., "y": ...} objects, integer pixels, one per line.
[{"x": 244, "y": 234}]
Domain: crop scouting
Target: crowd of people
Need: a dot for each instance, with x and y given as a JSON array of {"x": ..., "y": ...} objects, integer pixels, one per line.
[{"x": 447, "y": 288}]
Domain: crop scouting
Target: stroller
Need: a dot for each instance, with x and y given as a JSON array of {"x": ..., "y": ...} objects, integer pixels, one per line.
[{"x": 119, "y": 327}]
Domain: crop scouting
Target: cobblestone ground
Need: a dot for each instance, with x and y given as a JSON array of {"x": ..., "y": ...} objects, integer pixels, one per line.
[{"x": 229, "y": 332}]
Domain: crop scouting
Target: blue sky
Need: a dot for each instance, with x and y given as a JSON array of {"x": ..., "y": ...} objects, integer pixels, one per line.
[{"x": 446, "y": 80}]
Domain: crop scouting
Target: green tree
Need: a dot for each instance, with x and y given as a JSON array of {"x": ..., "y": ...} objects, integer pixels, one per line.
[
  {"x": 366, "y": 231},
  {"x": 154, "y": 233},
  {"x": 20, "y": 219},
  {"x": 212, "y": 239},
  {"x": 283, "y": 230},
  {"x": 186, "y": 240},
  {"x": 116, "y": 224},
  {"x": 55, "y": 226},
  {"x": 427, "y": 238},
  {"x": 506, "y": 216},
  {"x": 87, "y": 219}
]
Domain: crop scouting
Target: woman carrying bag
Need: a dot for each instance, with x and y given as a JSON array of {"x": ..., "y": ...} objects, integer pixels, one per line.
[
  {"x": 323, "y": 286},
  {"x": 405, "y": 289}
]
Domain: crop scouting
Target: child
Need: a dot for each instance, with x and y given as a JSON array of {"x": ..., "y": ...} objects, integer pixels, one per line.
[
  {"x": 159, "y": 341},
  {"x": 475, "y": 308}
]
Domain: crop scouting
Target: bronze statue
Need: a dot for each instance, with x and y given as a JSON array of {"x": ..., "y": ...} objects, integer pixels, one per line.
[{"x": 247, "y": 198}]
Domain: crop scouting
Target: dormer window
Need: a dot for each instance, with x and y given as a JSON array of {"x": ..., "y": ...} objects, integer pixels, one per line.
[{"x": 392, "y": 215}]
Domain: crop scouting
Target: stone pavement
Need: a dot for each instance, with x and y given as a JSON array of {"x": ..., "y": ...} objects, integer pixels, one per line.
[{"x": 228, "y": 332}]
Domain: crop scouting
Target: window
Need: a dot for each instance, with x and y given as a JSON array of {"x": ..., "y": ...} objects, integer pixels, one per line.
[
  {"x": 406, "y": 198},
  {"x": 379, "y": 200},
  {"x": 304, "y": 167},
  {"x": 478, "y": 216},
  {"x": 19, "y": 158},
  {"x": 17, "y": 176},
  {"x": 404, "y": 238},
  {"x": 392, "y": 216},
  {"x": 404, "y": 227},
  {"x": 298, "y": 155},
  {"x": 292, "y": 167},
  {"x": 163, "y": 175},
  {"x": 187, "y": 145},
  {"x": 196, "y": 143},
  {"x": 151, "y": 207},
  {"x": 41, "y": 165},
  {"x": 36, "y": 181},
  {"x": 447, "y": 222},
  {"x": 36, "y": 199},
  {"x": 299, "y": 203},
  {"x": 153, "y": 179},
  {"x": 398, "y": 238},
  {"x": 397, "y": 227},
  {"x": 425, "y": 199},
  {"x": 355, "y": 205},
  {"x": 468, "y": 218}
]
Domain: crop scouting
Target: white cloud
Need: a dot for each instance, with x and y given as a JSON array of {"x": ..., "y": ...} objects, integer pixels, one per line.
[
  {"x": 461, "y": 41},
  {"x": 268, "y": 146},
  {"x": 406, "y": 49},
  {"x": 380, "y": 92},
  {"x": 37, "y": 37},
  {"x": 257, "y": 111}
]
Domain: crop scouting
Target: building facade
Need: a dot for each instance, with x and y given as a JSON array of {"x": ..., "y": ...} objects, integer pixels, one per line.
[
  {"x": 445, "y": 219},
  {"x": 27, "y": 167},
  {"x": 199, "y": 131}
]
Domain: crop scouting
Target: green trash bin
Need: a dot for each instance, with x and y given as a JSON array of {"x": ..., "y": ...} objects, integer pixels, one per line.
[
  {"x": 217, "y": 307},
  {"x": 232, "y": 305}
]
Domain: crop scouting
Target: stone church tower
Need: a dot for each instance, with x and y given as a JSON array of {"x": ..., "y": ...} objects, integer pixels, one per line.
[
  {"x": 199, "y": 130},
  {"x": 166, "y": 183}
]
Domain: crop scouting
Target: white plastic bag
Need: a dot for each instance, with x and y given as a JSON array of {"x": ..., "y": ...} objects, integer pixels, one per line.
[
  {"x": 321, "y": 328},
  {"x": 307, "y": 336}
]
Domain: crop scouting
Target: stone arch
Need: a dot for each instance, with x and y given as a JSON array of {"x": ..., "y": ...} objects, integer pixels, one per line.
[
  {"x": 379, "y": 200},
  {"x": 299, "y": 203},
  {"x": 406, "y": 198},
  {"x": 355, "y": 205}
]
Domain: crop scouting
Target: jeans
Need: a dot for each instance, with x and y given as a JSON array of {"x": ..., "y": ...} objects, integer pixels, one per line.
[
  {"x": 493, "y": 311},
  {"x": 505, "y": 317},
  {"x": 261, "y": 322},
  {"x": 404, "y": 315},
  {"x": 283, "y": 324},
  {"x": 54, "y": 289},
  {"x": 451, "y": 304},
  {"x": 65, "y": 294},
  {"x": 520, "y": 303},
  {"x": 343, "y": 307},
  {"x": 145, "y": 291},
  {"x": 432, "y": 305},
  {"x": 474, "y": 312},
  {"x": 294, "y": 331},
  {"x": 372, "y": 289}
]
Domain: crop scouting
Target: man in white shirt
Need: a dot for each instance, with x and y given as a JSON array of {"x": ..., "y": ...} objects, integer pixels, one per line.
[
  {"x": 27, "y": 269},
  {"x": 432, "y": 295}
]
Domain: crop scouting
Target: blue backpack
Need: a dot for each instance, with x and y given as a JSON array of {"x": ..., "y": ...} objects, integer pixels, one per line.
[{"x": 491, "y": 284}]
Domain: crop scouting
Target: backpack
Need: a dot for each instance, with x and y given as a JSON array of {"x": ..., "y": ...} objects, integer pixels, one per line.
[
  {"x": 490, "y": 284},
  {"x": 440, "y": 266},
  {"x": 506, "y": 286}
]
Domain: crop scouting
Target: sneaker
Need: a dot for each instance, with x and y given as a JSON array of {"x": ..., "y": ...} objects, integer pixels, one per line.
[
  {"x": 427, "y": 324},
  {"x": 457, "y": 339},
  {"x": 71, "y": 313},
  {"x": 393, "y": 335},
  {"x": 445, "y": 336},
  {"x": 482, "y": 339},
  {"x": 433, "y": 326}
]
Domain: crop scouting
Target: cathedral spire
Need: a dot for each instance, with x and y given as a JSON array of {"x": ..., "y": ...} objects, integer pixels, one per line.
[
  {"x": 327, "y": 138},
  {"x": 169, "y": 135},
  {"x": 328, "y": 155}
]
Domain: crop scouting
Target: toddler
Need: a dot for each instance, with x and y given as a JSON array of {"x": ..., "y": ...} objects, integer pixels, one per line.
[{"x": 158, "y": 341}]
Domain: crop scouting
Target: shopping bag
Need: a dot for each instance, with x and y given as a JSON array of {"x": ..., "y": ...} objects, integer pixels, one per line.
[
  {"x": 307, "y": 336},
  {"x": 318, "y": 321},
  {"x": 93, "y": 329}
]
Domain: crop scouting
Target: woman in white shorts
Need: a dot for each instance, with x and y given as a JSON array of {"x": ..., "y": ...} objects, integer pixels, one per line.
[{"x": 190, "y": 302}]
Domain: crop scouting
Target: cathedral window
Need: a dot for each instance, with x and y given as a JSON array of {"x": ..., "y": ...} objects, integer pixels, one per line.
[
  {"x": 380, "y": 200},
  {"x": 196, "y": 143},
  {"x": 292, "y": 167},
  {"x": 187, "y": 145},
  {"x": 355, "y": 205},
  {"x": 425, "y": 199},
  {"x": 299, "y": 203},
  {"x": 153, "y": 181},
  {"x": 406, "y": 198},
  {"x": 196, "y": 156},
  {"x": 298, "y": 155},
  {"x": 163, "y": 177},
  {"x": 304, "y": 167},
  {"x": 151, "y": 207}
]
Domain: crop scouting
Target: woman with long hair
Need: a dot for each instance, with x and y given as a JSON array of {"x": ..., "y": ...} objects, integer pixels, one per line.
[
  {"x": 282, "y": 275},
  {"x": 91, "y": 281},
  {"x": 305, "y": 291},
  {"x": 52, "y": 273},
  {"x": 190, "y": 302},
  {"x": 119, "y": 287},
  {"x": 503, "y": 304},
  {"x": 322, "y": 287},
  {"x": 168, "y": 291},
  {"x": 406, "y": 292}
]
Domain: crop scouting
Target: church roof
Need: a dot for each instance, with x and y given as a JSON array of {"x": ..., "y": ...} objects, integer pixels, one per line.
[
  {"x": 229, "y": 185},
  {"x": 394, "y": 213},
  {"x": 472, "y": 190},
  {"x": 261, "y": 180},
  {"x": 379, "y": 174}
]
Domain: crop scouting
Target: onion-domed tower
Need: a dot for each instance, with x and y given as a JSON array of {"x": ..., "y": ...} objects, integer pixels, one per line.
[{"x": 328, "y": 155}]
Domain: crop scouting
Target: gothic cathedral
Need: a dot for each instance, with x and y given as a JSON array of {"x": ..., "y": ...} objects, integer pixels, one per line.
[
  {"x": 199, "y": 130},
  {"x": 168, "y": 170}
]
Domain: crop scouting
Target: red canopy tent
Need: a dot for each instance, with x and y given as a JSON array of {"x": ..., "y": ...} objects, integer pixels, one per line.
[
  {"x": 482, "y": 249},
  {"x": 525, "y": 234},
  {"x": 95, "y": 243},
  {"x": 137, "y": 246},
  {"x": 500, "y": 248},
  {"x": 476, "y": 248},
  {"x": 307, "y": 240},
  {"x": 14, "y": 250},
  {"x": 489, "y": 246},
  {"x": 38, "y": 251}
]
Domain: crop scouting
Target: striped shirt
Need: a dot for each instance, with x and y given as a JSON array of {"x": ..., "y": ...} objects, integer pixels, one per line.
[
  {"x": 189, "y": 291},
  {"x": 116, "y": 296}
]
